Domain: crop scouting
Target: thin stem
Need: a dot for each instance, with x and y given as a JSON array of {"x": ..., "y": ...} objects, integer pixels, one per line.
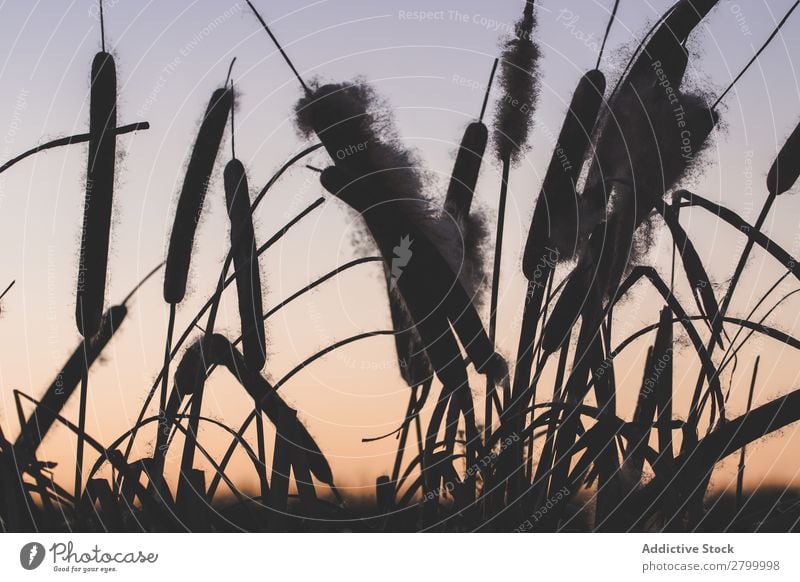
[
  {"x": 142, "y": 282},
  {"x": 674, "y": 253},
  {"x": 401, "y": 447},
  {"x": 81, "y": 429},
  {"x": 762, "y": 217},
  {"x": 262, "y": 453},
  {"x": 605, "y": 36},
  {"x": 167, "y": 351},
  {"x": 62, "y": 141},
  {"x": 740, "y": 473},
  {"x": 3, "y": 294},
  {"x": 102, "y": 28},
  {"x": 221, "y": 284},
  {"x": 758, "y": 53},
  {"x": 498, "y": 253},
  {"x": 752, "y": 313},
  {"x": 280, "y": 48},
  {"x": 325, "y": 351},
  {"x": 488, "y": 90},
  {"x": 640, "y": 46},
  {"x": 233, "y": 124},
  {"x": 228, "y": 76}
]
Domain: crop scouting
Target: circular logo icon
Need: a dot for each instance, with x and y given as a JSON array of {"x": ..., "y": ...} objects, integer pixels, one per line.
[{"x": 31, "y": 555}]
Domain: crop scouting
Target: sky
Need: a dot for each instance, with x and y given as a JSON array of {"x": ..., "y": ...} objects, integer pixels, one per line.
[{"x": 430, "y": 61}]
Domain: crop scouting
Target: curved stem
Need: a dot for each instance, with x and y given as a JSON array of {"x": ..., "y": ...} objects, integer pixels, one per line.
[{"x": 62, "y": 141}]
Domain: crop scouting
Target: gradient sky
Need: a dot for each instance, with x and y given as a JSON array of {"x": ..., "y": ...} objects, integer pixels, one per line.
[{"x": 171, "y": 55}]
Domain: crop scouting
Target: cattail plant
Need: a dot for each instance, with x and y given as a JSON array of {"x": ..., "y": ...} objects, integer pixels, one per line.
[
  {"x": 93, "y": 258},
  {"x": 782, "y": 176},
  {"x": 189, "y": 381},
  {"x": 519, "y": 83},
  {"x": 557, "y": 211},
  {"x": 642, "y": 148},
  {"x": 380, "y": 182},
  {"x": 465, "y": 172},
  {"x": 467, "y": 167},
  {"x": 248, "y": 277},
  {"x": 467, "y": 258},
  {"x": 98, "y": 205},
  {"x": 643, "y": 152},
  {"x": 245, "y": 261},
  {"x": 189, "y": 210},
  {"x": 553, "y": 234},
  {"x": 785, "y": 169},
  {"x": 513, "y": 119},
  {"x": 777, "y": 183},
  {"x": 431, "y": 291},
  {"x": 647, "y": 92},
  {"x": 377, "y": 179}
]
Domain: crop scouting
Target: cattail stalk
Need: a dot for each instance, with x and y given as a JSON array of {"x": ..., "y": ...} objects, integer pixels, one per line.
[
  {"x": 758, "y": 52},
  {"x": 188, "y": 212},
  {"x": 513, "y": 120},
  {"x": 781, "y": 177},
  {"x": 93, "y": 258},
  {"x": 248, "y": 280},
  {"x": 98, "y": 205},
  {"x": 190, "y": 378},
  {"x": 553, "y": 233},
  {"x": 742, "y": 453},
  {"x": 658, "y": 374}
]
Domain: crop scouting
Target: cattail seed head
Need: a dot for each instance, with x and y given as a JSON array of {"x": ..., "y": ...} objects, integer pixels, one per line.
[
  {"x": 98, "y": 205},
  {"x": 786, "y": 168},
  {"x": 245, "y": 261},
  {"x": 193, "y": 193},
  {"x": 519, "y": 81},
  {"x": 465, "y": 171},
  {"x": 556, "y": 216},
  {"x": 190, "y": 375}
]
